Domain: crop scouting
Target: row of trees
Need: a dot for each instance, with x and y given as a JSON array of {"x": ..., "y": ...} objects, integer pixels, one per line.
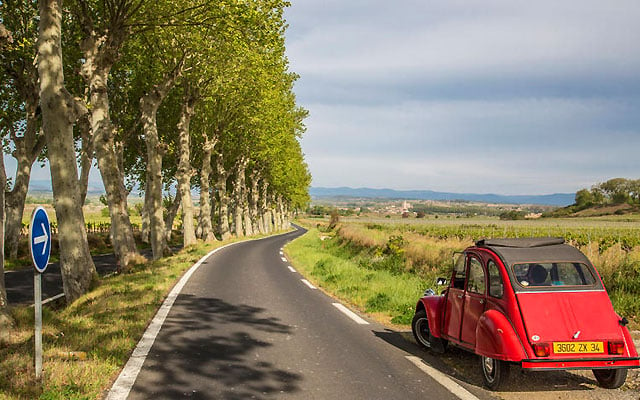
[{"x": 184, "y": 94}]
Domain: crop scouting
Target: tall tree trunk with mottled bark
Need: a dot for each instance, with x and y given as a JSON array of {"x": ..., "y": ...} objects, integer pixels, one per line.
[
  {"x": 172, "y": 212},
  {"x": 204, "y": 220},
  {"x": 149, "y": 104},
  {"x": 59, "y": 112},
  {"x": 86, "y": 156},
  {"x": 238, "y": 193},
  {"x": 256, "y": 216},
  {"x": 26, "y": 150},
  {"x": 264, "y": 207},
  {"x": 145, "y": 230},
  {"x": 100, "y": 53},
  {"x": 275, "y": 212},
  {"x": 3, "y": 290},
  {"x": 247, "y": 208},
  {"x": 223, "y": 199},
  {"x": 185, "y": 171}
]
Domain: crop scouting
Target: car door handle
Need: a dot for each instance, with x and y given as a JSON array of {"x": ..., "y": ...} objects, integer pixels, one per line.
[
  {"x": 481, "y": 301},
  {"x": 459, "y": 296}
]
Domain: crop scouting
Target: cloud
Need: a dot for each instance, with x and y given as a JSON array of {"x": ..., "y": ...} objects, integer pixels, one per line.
[{"x": 521, "y": 96}]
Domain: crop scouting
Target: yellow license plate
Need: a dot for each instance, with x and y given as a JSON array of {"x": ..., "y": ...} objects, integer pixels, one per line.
[{"x": 578, "y": 347}]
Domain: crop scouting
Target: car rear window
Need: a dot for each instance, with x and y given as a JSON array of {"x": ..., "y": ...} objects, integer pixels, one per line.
[{"x": 553, "y": 275}]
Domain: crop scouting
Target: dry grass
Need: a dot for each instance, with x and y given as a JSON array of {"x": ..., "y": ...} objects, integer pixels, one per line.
[
  {"x": 424, "y": 253},
  {"x": 362, "y": 236}
]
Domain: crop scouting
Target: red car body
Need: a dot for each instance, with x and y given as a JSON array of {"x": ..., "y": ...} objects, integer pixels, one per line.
[{"x": 495, "y": 308}]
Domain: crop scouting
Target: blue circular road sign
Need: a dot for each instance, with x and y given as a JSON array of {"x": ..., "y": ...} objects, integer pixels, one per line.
[{"x": 40, "y": 239}]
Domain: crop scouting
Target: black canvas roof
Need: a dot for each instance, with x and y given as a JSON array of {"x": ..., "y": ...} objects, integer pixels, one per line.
[{"x": 527, "y": 250}]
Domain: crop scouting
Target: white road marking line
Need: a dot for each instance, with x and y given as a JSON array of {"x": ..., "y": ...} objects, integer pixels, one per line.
[
  {"x": 284, "y": 259},
  {"x": 291, "y": 268},
  {"x": 281, "y": 252},
  {"x": 122, "y": 386},
  {"x": 442, "y": 379},
  {"x": 350, "y": 314},
  {"x": 306, "y": 282}
]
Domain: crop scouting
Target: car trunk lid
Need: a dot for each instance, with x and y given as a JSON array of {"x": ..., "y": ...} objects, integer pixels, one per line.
[{"x": 560, "y": 316}]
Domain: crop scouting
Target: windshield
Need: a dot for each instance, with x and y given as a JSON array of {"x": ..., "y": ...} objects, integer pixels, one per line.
[{"x": 559, "y": 275}]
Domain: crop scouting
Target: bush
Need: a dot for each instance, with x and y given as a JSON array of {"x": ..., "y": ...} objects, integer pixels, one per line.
[
  {"x": 512, "y": 215},
  {"x": 334, "y": 219}
]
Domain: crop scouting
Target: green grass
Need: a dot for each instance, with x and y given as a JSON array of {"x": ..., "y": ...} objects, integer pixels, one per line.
[
  {"x": 383, "y": 268},
  {"x": 87, "y": 343},
  {"x": 388, "y": 295}
]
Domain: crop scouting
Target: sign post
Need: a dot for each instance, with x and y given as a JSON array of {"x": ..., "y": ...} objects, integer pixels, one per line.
[{"x": 40, "y": 246}]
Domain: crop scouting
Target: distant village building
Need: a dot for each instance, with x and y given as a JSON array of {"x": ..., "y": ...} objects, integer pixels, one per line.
[{"x": 405, "y": 207}]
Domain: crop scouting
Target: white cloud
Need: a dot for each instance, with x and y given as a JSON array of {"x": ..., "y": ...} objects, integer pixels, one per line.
[{"x": 505, "y": 96}]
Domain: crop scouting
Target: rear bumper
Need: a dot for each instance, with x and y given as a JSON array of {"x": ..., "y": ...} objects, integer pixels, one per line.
[{"x": 583, "y": 363}]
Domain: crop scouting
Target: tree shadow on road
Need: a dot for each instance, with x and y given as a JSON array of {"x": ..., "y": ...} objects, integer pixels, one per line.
[{"x": 208, "y": 348}]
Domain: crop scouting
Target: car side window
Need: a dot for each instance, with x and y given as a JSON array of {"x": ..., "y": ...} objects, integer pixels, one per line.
[
  {"x": 496, "y": 288},
  {"x": 459, "y": 272},
  {"x": 476, "y": 282}
]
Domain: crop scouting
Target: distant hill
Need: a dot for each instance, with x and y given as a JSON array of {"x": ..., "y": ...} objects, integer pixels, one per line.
[
  {"x": 556, "y": 199},
  {"x": 43, "y": 187}
]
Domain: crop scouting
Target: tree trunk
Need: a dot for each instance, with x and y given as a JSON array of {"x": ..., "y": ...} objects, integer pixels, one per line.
[
  {"x": 171, "y": 215},
  {"x": 277, "y": 226},
  {"x": 256, "y": 212},
  {"x": 99, "y": 55},
  {"x": 59, "y": 111},
  {"x": 264, "y": 208},
  {"x": 124, "y": 244},
  {"x": 204, "y": 221},
  {"x": 223, "y": 199},
  {"x": 149, "y": 104},
  {"x": 3, "y": 290},
  {"x": 27, "y": 149},
  {"x": 247, "y": 209},
  {"x": 238, "y": 193},
  {"x": 185, "y": 172},
  {"x": 86, "y": 157},
  {"x": 144, "y": 228}
]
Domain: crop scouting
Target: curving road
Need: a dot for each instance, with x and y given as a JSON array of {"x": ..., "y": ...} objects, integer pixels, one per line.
[{"x": 246, "y": 326}]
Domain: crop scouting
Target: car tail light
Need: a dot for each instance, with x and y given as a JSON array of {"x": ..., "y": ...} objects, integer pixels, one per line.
[
  {"x": 541, "y": 349},
  {"x": 616, "y": 348}
]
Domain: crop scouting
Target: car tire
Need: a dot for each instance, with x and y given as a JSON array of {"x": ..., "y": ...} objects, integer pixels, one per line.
[
  {"x": 494, "y": 372},
  {"x": 420, "y": 328},
  {"x": 610, "y": 378},
  {"x": 422, "y": 333}
]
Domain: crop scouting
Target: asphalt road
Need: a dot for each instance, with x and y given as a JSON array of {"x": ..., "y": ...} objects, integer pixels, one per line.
[
  {"x": 245, "y": 326},
  {"x": 20, "y": 283}
]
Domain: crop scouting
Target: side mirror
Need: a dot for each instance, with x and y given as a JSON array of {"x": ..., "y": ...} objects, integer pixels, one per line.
[{"x": 441, "y": 281}]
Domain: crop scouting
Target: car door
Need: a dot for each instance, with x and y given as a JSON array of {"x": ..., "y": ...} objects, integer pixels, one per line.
[
  {"x": 455, "y": 299},
  {"x": 474, "y": 299}
]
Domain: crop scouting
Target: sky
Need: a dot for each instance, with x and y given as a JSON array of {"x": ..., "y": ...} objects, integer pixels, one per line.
[{"x": 466, "y": 96}]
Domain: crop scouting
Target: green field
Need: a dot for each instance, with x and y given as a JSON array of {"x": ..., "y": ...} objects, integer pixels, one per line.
[{"x": 409, "y": 249}]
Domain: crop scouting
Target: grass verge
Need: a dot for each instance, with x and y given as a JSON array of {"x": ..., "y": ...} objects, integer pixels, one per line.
[
  {"x": 383, "y": 269},
  {"x": 88, "y": 342},
  {"x": 348, "y": 274}
]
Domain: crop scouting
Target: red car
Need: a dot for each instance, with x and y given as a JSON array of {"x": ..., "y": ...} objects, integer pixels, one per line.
[{"x": 536, "y": 302}]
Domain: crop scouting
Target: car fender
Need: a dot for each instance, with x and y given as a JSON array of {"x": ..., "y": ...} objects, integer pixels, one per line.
[
  {"x": 496, "y": 338},
  {"x": 433, "y": 307}
]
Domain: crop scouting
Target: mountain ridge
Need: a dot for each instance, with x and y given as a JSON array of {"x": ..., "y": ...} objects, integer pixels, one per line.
[{"x": 554, "y": 199}]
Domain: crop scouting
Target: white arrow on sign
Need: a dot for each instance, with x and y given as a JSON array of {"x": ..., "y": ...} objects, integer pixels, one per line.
[{"x": 42, "y": 239}]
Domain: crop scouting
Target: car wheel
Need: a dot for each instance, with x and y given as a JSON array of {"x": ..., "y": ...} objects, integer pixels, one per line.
[
  {"x": 494, "y": 372},
  {"x": 422, "y": 334},
  {"x": 420, "y": 328},
  {"x": 610, "y": 378}
]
